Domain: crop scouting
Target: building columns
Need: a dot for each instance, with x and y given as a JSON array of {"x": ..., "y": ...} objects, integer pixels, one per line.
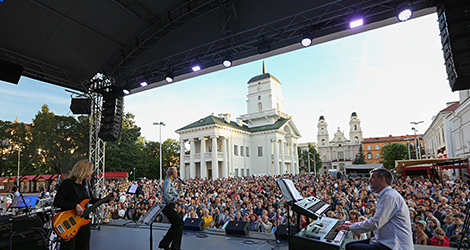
[
  {"x": 276, "y": 157},
  {"x": 283, "y": 157},
  {"x": 225, "y": 159},
  {"x": 192, "y": 165},
  {"x": 215, "y": 162},
  {"x": 182, "y": 164},
  {"x": 203, "y": 161}
]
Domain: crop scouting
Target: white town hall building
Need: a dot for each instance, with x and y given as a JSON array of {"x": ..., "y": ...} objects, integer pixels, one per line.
[{"x": 263, "y": 141}]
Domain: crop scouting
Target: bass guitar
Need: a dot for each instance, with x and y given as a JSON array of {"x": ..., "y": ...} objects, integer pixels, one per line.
[{"x": 67, "y": 223}]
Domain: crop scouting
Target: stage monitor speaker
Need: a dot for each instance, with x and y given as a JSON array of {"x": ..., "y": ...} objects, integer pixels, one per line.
[
  {"x": 282, "y": 232},
  {"x": 238, "y": 227},
  {"x": 10, "y": 72},
  {"x": 454, "y": 27},
  {"x": 81, "y": 106},
  {"x": 195, "y": 224}
]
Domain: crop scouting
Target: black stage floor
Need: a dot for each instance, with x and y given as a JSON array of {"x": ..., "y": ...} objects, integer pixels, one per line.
[{"x": 117, "y": 236}]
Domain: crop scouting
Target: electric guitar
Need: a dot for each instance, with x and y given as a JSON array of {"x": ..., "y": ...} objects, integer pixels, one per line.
[{"x": 67, "y": 223}]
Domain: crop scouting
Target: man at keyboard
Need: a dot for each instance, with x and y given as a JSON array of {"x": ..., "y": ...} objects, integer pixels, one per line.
[{"x": 391, "y": 220}]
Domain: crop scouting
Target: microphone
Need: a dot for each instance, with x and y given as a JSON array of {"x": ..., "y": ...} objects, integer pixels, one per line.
[{"x": 181, "y": 180}]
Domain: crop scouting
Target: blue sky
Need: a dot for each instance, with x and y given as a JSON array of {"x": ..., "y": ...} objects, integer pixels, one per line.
[{"x": 389, "y": 76}]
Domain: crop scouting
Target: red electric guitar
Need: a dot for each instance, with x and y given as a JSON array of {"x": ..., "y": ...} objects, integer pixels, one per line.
[{"x": 67, "y": 223}]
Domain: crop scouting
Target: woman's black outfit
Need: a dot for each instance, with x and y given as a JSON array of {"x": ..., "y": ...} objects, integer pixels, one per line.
[{"x": 68, "y": 196}]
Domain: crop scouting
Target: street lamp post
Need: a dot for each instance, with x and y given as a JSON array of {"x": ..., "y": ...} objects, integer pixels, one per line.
[
  {"x": 418, "y": 155},
  {"x": 19, "y": 161},
  {"x": 160, "y": 124},
  {"x": 314, "y": 163}
]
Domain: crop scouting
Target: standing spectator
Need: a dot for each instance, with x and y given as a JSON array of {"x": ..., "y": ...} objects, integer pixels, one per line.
[
  {"x": 457, "y": 224},
  {"x": 264, "y": 225}
]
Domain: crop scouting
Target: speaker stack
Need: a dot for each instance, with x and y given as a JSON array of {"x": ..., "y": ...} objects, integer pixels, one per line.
[
  {"x": 111, "y": 117},
  {"x": 195, "y": 224},
  {"x": 454, "y": 26},
  {"x": 238, "y": 227}
]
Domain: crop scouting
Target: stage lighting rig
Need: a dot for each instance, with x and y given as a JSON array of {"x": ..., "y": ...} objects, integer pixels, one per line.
[
  {"x": 404, "y": 13},
  {"x": 306, "y": 39},
  {"x": 196, "y": 66},
  {"x": 227, "y": 60},
  {"x": 170, "y": 77}
]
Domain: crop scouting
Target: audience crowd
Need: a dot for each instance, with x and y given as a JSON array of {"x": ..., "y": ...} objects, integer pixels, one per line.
[{"x": 437, "y": 209}]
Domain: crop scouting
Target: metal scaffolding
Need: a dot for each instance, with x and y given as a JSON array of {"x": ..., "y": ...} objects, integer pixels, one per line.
[{"x": 97, "y": 146}]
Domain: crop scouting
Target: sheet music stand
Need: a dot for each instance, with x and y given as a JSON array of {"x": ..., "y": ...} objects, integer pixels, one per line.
[
  {"x": 150, "y": 217},
  {"x": 133, "y": 190},
  {"x": 290, "y": 194}
]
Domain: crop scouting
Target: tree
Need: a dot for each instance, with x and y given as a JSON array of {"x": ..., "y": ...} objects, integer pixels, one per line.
[
  {"x": 392, "y": 152},
  {"x": 315, "y": 160},
  {"x": 360, "y": 158}
]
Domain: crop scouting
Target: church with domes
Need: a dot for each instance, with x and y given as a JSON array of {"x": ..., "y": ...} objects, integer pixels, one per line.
[
  {"x": 340, "y": 151},
  {"x": 262, "y": 141}
]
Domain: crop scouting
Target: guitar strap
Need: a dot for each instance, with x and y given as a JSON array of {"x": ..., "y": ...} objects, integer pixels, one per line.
[{"x": 87, "y": 193}]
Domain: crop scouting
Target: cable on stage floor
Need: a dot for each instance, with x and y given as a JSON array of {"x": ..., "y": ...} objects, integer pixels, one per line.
[{"x": 252, "y": 242}]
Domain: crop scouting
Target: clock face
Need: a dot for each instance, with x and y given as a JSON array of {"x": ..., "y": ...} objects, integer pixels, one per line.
[{"x": 259, "y": 88}]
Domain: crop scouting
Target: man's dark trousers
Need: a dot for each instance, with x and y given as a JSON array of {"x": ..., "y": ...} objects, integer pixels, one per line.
[
  {"x": 365, "y": 245},
  {"x": 175, "y": 233}
]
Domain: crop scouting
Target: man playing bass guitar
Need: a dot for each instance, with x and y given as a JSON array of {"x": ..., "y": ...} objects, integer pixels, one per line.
[{"x": 70, "y": 194}]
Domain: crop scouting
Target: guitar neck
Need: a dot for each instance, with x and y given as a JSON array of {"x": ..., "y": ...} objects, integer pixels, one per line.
[{"x": 97, "y": 204}]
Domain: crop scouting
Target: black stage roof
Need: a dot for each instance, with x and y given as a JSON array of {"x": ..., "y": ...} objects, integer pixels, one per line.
[{"x": 67, "y": 42}]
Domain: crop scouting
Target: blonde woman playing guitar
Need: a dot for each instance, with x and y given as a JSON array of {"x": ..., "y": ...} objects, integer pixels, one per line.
[{"x": 73, "y": 194}]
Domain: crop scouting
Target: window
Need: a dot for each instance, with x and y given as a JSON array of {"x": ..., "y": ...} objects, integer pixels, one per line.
[
  {"x": 356, "y": 140},
  {"x": 323, "y": 142},
  {"x": 369, "y": 156},
  {"x": 340, "y": 155},
  {"x": 443, "y": 136},
  {"x": 247, "y": 151},
  {"x": 243, "y": 172},
  {"x": 235, "y": 150},
  {"x": 247, "y": 172},
  {"x": 260, "y": 107},
  {"x": 260, "y": 151},
  {"x": 322, "y": 130},
  {"x": 241, "y": 151},
  {"x": 355, "y": 127},
  {"x": 236, "y": 172},
  {"x": 377, "y": 147},
  {"x": 377, "y": 156},
  {"x": 259, "y": 97},
  {"x": 368, "y": 147}
]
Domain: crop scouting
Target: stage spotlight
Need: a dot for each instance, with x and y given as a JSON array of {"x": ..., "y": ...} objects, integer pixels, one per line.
[
  {"x": 170, "y": 77},
  {"x": 356, "y": 22},
  {"x": 196, "y": 66},
  {"x": 126, "y": 91},
  {"x": 306, "y": 39},
  {"x": 404, "y": 13},
  {"x": 144, "y": 83},
  {"x": 227, "y": 61}
]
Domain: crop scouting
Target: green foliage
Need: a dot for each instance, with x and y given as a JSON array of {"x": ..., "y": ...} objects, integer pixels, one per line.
[
  {"x": 313, "y": 155},
  {"x": 391, "y": 152},
  {"x": 360, "y": 158}
]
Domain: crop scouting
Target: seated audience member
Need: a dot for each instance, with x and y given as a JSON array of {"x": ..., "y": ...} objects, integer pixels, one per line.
[
  {"x": 440, "y": 238},
  {"x": 420, "y": 237},
  {"x": 457, "y": 223},
  {"x": 207, "y": 218}
]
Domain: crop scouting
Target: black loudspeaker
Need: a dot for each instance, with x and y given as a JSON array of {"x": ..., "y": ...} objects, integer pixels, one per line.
[
  {"x": 195, "y": 224},
  {"x": 282, "y": 232},
  {"x": 10, "y": 72},
  {"x": 454, "y": 27},
  {"x": 238, "y": 227},
  {"x": 111, "y": 117},
  {"x": 81, "y": 106}
]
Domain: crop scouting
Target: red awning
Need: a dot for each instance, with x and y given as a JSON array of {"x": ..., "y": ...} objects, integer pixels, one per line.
[
  {"x": 115, "y": 175},
  {"x": 4, "y": 179},
  {"x": 28, "y": 177},
  {"x": 44, "y": 176}
]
